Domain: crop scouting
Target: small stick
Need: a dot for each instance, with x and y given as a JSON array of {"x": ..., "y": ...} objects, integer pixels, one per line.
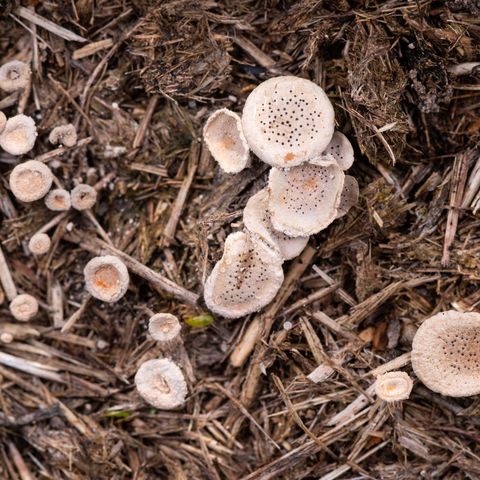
[
  {"x": 6, "y": 278},
  {"x": 52, "y": 223},
  {"x": 341, "y": 292},
  {"x": 76, "y": 315},
  {"x": 142, "y": 129},
  {"x": 319, "y": 294},
  {"x": 29, "y": 366},
  {"x": 88, "y": 213},
  {"x": 17, "y": 458},
  {"x": 91, "y": 48},
  {"x": 60, "y": 150},
  {"x": 56, "y": 301}
]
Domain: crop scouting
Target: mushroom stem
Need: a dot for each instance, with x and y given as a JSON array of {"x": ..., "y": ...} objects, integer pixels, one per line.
[
  {"x": 6, "y": 278},
  {"x": 24, "y": 95},
  {"x": 100, "y": 230}
]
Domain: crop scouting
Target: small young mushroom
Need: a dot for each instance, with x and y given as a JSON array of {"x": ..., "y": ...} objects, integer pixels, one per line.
[
  {"x": 393, "y": 386},
  {"x": 446, "y": 353},
  {"x": 224, "y": 137},
  {"x": 106, "y": 278},
  {"x": 349, "y": 196},
  {"x": 245, "y": 279},
  {"x": 165, "y": 328},
  {"x": 3, "y": 121},
  {"x": 58, "y": 200},
  {"x": 14, "y": 75},
  {"x": 65, "y": 135},
  {"x": 83, "y": 197},
  {"x": 19, "y": 135},
  {"x": 24, "y": 307},
  {"x": 339, "y": 151},
  {"x": 288, "y": 121},
  {"x": 304, "y": 200},
  {"x": 257, "y": 221},
  {"x": 30, "y": 181},
  {"x": 39, "y": 244},
  {"x": 161, "y": 383}
]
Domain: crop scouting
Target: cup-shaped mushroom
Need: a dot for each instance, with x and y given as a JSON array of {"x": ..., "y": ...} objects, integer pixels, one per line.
[
  {"x": 339, "y": 151},
  {"x": 24, "y": 307},
  {"x": 58, "y": 200},
  {"x": 83, "y": 197},
  {"x": 30, "y": 181},
  {"x": 245, "y": 279},
  {"x": 39, "y": 244},
  {"x": 288, "y": 121},
  {"x": 165, "y": 328},
  {"x": 14, "y": 75},
  {"x": 349, "y": 196},
  {"x": 161, "y": 383},
  {"x": 303, "y": 200},
  {"x": 106, "y": 278},
  {"x": 393, "y": 386},
  {"x": 257, "y": 221},
  {"x": 224, "y": 137},
  {"x": 446, "y": 353},
  {"x": 19, "y": 135},
  {"x": 3, "y": 121},
  {"x": 65, "y": 135}
]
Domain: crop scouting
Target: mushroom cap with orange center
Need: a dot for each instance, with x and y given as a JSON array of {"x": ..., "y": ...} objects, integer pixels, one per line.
[
  {"x": 39, "y": 244},
  {"x": 24, "y": 307},
  {"x": 393, "y": 386},
  {"x": 30, "y": 181},
  {"x": 164, "y": 327},
  {"x": 18, "y": 135},
  {"x": 58, "y": 200}
]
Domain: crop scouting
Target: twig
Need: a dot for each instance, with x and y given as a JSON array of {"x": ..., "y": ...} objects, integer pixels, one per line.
[
  {"x": 341, "y": 292},
  {"x": 76, "y": 315},
  {"x": 91, "y": 48},
  {"x": 142, "y": 129},
  {"x": 100, "y": 230},
  {"x": 56, "y": 302},
  {"x": 52, "y": 223},
  {"x": 61, "y": 150},
  {"x": 6, "y": 278},
  {"x": 313, "y": 297},
  {"x": 17, "y": 458}
]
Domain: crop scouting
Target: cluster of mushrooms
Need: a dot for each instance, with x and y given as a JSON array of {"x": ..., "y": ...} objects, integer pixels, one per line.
[{"x": 287, "y": 122}]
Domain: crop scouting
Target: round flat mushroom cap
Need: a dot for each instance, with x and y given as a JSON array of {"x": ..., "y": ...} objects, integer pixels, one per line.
[
  {"x": 64, "y": 134},
  {"x": 393, "y": 386},
  {"x": 30, "y": 181},
  {"x": 339, "y": 150},
  {"x": 304, "y": 200},
  {"x": 257, "y": 221},
  {"x": 24, "y": 307},
  {"x": 14, "y": 75},
  {"x": 164, "y": 327},
  {"x": 224, "y": 137},
  {"x": 161, "y": 383},
  {"x": 83, "y": 197},
  {"x": 39, "y": 244},
  {"x": 3, "y": 121},
  {"x": 106, "y": 278},
  {"x": 58, "y": 200},
  {"x": 288, "y": 121},
  {"x": 349, "y": 196},
  {"x": 446, "y": 353},
  {"x": 19, "y": 135},
  {"x": 245, "y": 279}
]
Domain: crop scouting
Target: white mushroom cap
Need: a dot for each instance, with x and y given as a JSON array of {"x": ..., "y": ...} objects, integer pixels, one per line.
[
  {"x": 349, "y": 196},
  {"x": 446, "y": 353},
  {"x": 19, "y": 135},
  {"x": 24, "y": 307},
  {"x": 3, "y": 121},
  {"x": 339, "y": 150},
  {"x": 245, "y": 279},
  {"x": 14, "y": 75},
  {"x": 257, "y": 221},
  {"x": 58, "y": 200},
  {"x": 161, "y": 383},
  {"x": 288, "y": 121},
  {"x": 224, "y": 137},
  {"x": 83, "y": 197},
  {"x": 39, "y": 244},
  {"x": 106, "y": 278},
  {"x": 30, "y": 181},
  {"x": 304, "y": 200},
  {"x": 164, "y": 327},
  {"x": 393, "y": 386},
  {"x": 64, "y": 134}
]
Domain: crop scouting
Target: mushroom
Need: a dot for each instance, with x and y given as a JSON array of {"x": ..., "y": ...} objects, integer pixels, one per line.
[
  {"x": 161, "y": 383},
  {"x": 83, "y": 197},
  {"x": 288, "y": 121},
  {"x": 224, "y": 137},
  {"x": 304, "y": 200},
  {"x": 106, "y": 278},
  {"x": 257, "y": 221},
  {"x": 30, "y": 181},
  {"x": 446, "y": 353},
  {"x": 165, "y": 328},
  {"x": 64, "y": 134},
  {"x": 24, "y": 307},
  {"x": 39, "y": 244},
  {"x": 19, "y": 135},
  {"x": 393, "y": 386},
  {"x": 3, "y": 121},
  {"x": 245, "y": 279},
  {"x": 58, "y": 200},
  {"x": 339, "y": 151},
  {"x": 14, "y": 75},
  {"x": 349, "y": 196}
]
